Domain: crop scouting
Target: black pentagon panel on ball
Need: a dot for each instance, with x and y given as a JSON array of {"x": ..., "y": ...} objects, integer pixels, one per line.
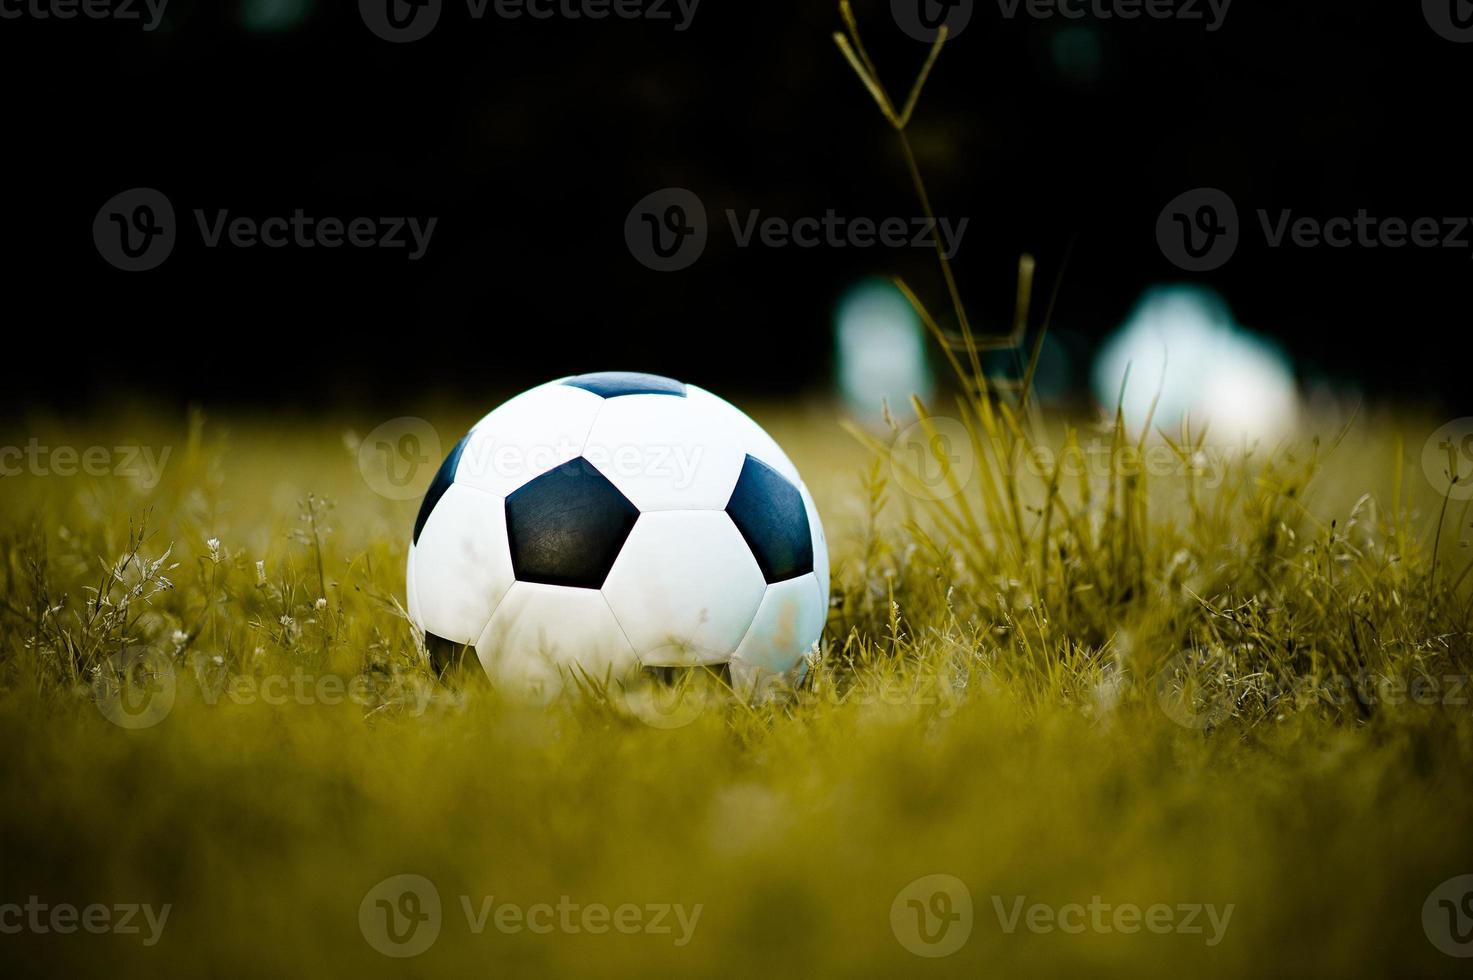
[
  {"x": 444, "y": 476},
  {"x": 769, "y": 511},
  {"x": 612, "y": 384},
  {"x": 566, "y": 527}
]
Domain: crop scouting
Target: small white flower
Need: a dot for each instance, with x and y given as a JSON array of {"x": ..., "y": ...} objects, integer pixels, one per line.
[
  {"x": 180, "y": 638},
  {"x": 214, "y": 545},
  {"x": 321, "y": 603}
]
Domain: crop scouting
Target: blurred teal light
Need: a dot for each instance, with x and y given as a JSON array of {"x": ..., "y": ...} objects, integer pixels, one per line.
[
  {"x": 272, "y": 16},
  {"x": 881, "y": 349},
  {"x": 1078, "y": 55}
]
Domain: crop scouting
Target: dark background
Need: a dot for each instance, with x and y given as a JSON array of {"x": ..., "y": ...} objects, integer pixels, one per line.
[{"x": 530, "y": 141}]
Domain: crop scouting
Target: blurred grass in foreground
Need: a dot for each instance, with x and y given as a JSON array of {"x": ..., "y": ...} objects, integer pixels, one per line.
[{"x": 1147, "y": 691}]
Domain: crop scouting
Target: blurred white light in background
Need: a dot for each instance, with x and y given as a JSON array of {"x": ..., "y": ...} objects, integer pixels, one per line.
[
  {"x": 881, "y": 349},
  {"x": 1236, "y": 384}
]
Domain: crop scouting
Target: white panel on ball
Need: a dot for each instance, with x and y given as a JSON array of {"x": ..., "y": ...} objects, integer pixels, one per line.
[
  {"x": 669, "y": 453},
  {"x": 462, "y": 564},
  {"x": 410, "y": 591},
  {"x": 685, "y": 588},
  {"x": 539, "y": 632},
  {"x": 527, "y": 436},
  {"x": 753, "y": 437},
  {"x": 820, "y": 543},
  {"x": 788, "y": 622}
]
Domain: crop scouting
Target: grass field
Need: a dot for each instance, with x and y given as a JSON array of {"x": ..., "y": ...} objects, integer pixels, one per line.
[
  {"x": 1085, "y": 705},
  {"x": 1147, "y": 722}
]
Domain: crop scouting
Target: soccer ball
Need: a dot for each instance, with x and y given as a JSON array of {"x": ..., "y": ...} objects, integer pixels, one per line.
[{"x": 612, "y": 523}]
